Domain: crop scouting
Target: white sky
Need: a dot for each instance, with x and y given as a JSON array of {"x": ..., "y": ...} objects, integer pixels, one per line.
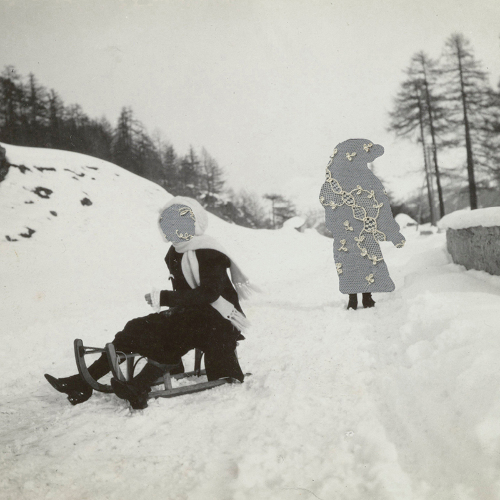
[{"x": 267, "y": 87}]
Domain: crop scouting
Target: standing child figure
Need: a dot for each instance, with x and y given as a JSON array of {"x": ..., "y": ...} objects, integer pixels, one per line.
[{"x": 358, "y": 214}]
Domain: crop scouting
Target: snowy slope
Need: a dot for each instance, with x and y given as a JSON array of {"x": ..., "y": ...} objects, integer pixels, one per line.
[{"x": 397, "y": 402}]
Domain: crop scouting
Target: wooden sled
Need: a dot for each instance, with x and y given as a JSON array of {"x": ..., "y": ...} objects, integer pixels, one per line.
[{"x": 116, "y": 358}]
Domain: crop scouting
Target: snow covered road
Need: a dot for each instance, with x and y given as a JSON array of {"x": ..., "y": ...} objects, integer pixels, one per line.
[{"x": 396, "y": 402}]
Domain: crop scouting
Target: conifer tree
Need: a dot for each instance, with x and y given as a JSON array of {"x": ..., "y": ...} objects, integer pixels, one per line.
[
  {"x": 147, "y": 158},
  {"x": 36, "y": 103},
  {"x": 490, "y": 146},
  {"x": 281, "y": 209},
  {"x": 417, "y": 114},
  {"x": 425, "y": 70},
  {"x": 11, "y": 99},
  {"x": 123, "y": 142},
  {"x": 189, "y": 174},
  {"x": 75, "y": 120},
  {"x": 211, "y": 176},
  {"x": 170, "y": 166},
  {"x": 55, "y": 112},
  {"x": 98, "y": 137},
  {"x": 467, "y": 94}
]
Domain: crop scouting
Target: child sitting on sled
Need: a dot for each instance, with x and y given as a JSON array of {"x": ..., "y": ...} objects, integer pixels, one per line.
[{"x": 204, "y": 312}]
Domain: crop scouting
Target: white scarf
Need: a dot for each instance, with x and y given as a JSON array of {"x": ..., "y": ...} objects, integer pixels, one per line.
[
  {"x": 190, "y": 266},
  {"x": 191, "y": 270}
]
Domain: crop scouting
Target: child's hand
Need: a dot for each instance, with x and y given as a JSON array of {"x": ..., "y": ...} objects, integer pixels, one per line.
[
  {"x": 148, "y": 299},
  {"x": 399, "y": 241}
]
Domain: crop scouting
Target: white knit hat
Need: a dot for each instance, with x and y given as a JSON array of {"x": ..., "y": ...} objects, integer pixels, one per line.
[{"x": 200, "y": 214}]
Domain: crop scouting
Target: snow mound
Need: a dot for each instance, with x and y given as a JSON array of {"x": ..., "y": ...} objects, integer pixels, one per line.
[
  {"x": 294, "y": 223},
  {"x": 461, "y": 219},
  {"x": 404, "y": 220}
]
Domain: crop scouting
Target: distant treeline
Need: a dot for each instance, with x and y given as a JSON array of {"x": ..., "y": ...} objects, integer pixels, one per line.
[
  {"x": 447, "y": 104},
  {"x": 31, "y": 115}
]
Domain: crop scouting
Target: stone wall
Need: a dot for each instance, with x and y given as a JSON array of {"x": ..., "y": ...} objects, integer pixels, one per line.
[{"x": 475, "y": 248}]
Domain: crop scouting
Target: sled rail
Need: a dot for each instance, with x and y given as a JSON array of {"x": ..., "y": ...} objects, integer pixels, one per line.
[
  {"x": 80, "y": 352},
  {"x": 115, "y": 357},
  {"x": 189, "y": 389}
]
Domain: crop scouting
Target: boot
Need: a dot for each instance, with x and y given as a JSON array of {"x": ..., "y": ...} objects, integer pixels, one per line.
[
  {"x": 353, "y": 301},
  {"x": 75, "y": 387},
  {"x": 368, "y": 301},
  {"x": 136, "y": 391},
  {"x": 99, "y": 367}
]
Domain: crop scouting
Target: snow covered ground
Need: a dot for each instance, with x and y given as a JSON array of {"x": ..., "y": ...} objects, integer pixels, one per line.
[{"x": 397, "y": 402}]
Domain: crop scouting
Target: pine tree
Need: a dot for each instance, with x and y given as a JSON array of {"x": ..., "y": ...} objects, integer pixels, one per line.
[
  {"x": 36, "y": 100},
  {"x": 98, "y": 136},
  {"x": 490, "y": 146},
  {"x": 74, "y": 123},
  {"x": 418, "y": 113},
  {"x": 211, "y": 177},
  {"x": 467, "y": 95},
  {"x": 123, "y": 141},
  {"x": 11, "y": 103},
  {"x": 148, "y": 162},
  {"x": 55, "y": 112},
  {"x": 170, "y": 170},
  {"x": 189, "y": 174},
  {"x": 281, "y": 209},
  {"x": 425, "y": 70}
]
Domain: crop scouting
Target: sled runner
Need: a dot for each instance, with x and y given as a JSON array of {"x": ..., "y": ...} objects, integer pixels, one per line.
[
  {"x": 80, "y": 352},
  {"x": 115, "y": 358}
]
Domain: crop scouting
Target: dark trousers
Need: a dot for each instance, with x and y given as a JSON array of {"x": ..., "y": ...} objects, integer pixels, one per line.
[{"x": 167, "y": 336}]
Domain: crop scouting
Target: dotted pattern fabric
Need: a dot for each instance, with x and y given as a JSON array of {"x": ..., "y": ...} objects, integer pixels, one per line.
[
  {"x": 177, "y": 223},
  {"x": 358, "y": 213}
]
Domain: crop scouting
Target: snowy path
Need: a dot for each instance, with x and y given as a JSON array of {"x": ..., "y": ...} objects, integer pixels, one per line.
[{"x": 386, "y": 403}]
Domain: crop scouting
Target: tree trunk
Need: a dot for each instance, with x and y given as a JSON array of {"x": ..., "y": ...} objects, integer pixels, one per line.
[
  {"x": 426, "y": 166},
  {"x": 434, "y": 149},
  {"x": 468, "y": 142}
]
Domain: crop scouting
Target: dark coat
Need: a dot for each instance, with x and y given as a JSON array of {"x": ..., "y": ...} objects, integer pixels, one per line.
[
  {"x": 214, "y": 281},
  {"x": 190, "y": 322}
]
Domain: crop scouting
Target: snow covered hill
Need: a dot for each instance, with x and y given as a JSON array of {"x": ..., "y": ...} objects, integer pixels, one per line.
[{"x": 397, "y": 402}]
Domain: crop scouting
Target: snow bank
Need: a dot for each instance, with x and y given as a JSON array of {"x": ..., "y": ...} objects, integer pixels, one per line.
[
  {"x": 404, "y": 220},
  {"x": 294, "y": 223},
  {"x": 485, "y": 217}
]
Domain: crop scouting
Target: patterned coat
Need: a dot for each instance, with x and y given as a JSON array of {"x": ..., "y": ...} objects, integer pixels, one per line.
[{"x": 358, "y": 213}]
